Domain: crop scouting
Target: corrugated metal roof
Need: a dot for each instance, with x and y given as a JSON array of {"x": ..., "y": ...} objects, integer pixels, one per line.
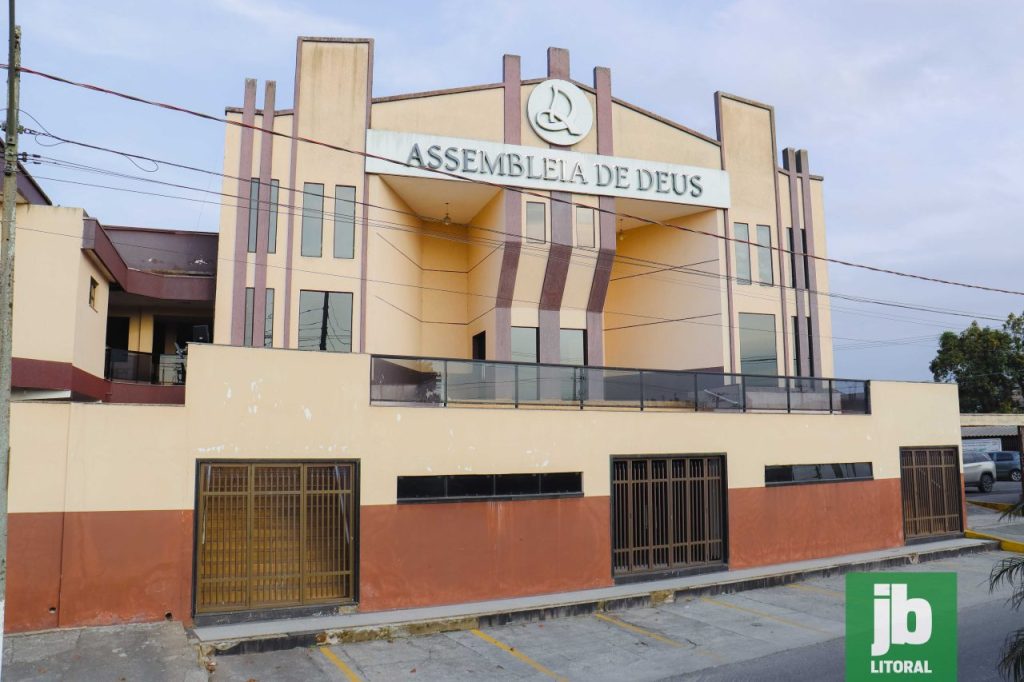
[{"x": 987, "y": 431}]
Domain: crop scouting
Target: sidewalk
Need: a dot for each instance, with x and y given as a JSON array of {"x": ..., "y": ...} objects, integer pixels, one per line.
[
  {"x": 388, "y": 625},
  {"x": 143, "y": 652},
  {"x": 989, "y": 522}
]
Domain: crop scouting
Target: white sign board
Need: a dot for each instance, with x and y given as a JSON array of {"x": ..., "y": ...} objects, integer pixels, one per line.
[
  {"x": 421, "y": 156},
  {"x": 982, "y": 445}
]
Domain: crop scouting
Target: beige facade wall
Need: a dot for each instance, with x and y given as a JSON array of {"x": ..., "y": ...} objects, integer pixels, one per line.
[
  {"x": 475, "y": 115},
  {"x": 671, "y": 319},
  {"x": 53, "y": 319},
  {"x": 638, "y": 136},
  {"x": 824, "y": 308},
  {"x": 256, "y": 403}
]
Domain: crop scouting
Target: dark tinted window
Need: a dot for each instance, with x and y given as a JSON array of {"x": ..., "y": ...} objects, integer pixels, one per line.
[
  {"x": 817, "y": 473},
  {"x": 1004, "y": 456},
  {"x": 488, "y": 486}
]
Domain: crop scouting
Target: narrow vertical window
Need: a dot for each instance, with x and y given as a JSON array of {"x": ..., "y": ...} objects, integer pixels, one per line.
[
  {"x": 275, "y": 187},
  {"x": 344, "y": 221},
  {"x": 742, "y": 234},
  {"x": 325, "y": 321},
  {"x": 93, "y": 288},
  {"x": 536, "y": 221},
  {"x": 525, "y": 344},
  {"x": 792, "y": 258},
  {"x": 757, "y": 344},
  {"x": 585, "y": 227},
  {"x": 312, "y": 219},
  {"x": 796, "y": 345},
  {"x": 807, "y": 269},
  {"x": 810, "y": 349},
  {"x": 254, "y": 212},
  {"x": 765, "y": 272},
  {"x": 268, "y": 323},
  {"x": 573, "y": 347},
  {"x": 250, "y": 295}
]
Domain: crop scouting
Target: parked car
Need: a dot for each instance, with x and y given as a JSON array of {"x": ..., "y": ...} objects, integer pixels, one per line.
[
  {"x": 979, "y": 471},
  {"x": 1007, "y": 464}
]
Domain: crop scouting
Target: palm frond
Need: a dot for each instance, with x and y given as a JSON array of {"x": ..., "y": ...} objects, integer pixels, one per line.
[
  {"x": 1010, "y": 572},
  {"x": 1011, "y": 665},
  {"x": 1017, "y": 510}
]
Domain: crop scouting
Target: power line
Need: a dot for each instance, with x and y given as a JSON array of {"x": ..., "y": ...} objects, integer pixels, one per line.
[
  {"x": 574, "y": 256},
  {"x": 455, "y": 176}
]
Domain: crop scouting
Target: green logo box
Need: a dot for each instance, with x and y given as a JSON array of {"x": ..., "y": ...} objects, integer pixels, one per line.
[{"x": 900, "y": 626}]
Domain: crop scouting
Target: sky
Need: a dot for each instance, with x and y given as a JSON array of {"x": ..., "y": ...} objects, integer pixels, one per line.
[{"x": 910, "y": 110}]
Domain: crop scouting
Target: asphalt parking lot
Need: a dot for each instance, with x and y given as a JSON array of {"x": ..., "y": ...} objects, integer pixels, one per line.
[
  {"x": 1002, "y": 491},
  {"x": 793, "y": 632}
]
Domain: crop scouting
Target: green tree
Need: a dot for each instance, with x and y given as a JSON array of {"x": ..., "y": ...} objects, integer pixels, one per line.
[
  {"x": 984, "y": 363},
  {"x": 1011, "y": 573}
]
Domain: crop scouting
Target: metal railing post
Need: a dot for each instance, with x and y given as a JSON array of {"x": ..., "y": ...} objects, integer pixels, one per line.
[
  {"x": 743, "y": 393},
  {"x": 641, "y": 390},
  {"x": 444, "y": 382},
  {"x": 831, "y": 408},
  {"x": 696, "y": 393},
  {"x": 789, "y": 396},
  {"x": 515, "y": 386},
  {"x": 578, "y": 381}
]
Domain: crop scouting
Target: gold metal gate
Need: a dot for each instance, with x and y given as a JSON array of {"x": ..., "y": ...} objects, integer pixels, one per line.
[
  {"x": 274, "y": 534},
  {"x": 931, "y": 488},
  {"x": 668, "y": 513}
]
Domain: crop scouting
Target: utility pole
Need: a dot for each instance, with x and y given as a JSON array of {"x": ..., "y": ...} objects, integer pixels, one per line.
[{"x": 7, "y": 229}]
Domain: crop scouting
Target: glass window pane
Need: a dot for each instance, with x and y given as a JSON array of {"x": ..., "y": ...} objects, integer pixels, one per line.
[
  {"x": 524, "y": 344},
  {"x": 742, "y": 233},
  {"x": 254, "y": 205},
  {"x": 325, "y": 321},
  {"x": 471, "y": 485},
  {"x": 275, "y": 188},
  {"x": 757, "y": 344},
  {"x": 536, "y": 223},
  {"x": 585, "y": 227},
  {"x": 268, "y": 325},
  {"x": 344, "y": 221},
  {"x": 312, "y": 219},
  {"x": 765, "y": 273},
  {"x": 792, "y": 258},
  {"x": 573, "y": 347},
  {"x": 249, "y": 301}
]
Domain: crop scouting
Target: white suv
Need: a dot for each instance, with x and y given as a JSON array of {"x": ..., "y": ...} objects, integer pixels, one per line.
[{"x": 979, "y": 471}]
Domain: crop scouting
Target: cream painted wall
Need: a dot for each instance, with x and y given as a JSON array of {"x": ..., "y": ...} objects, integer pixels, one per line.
[
  {"x": 638, "y": 295},
  {"x": 53, "y": 320},
  {"x": 638, "y": 136},
  {"x": 475, "y": 115},
  {"x": 250, "y": 403}
]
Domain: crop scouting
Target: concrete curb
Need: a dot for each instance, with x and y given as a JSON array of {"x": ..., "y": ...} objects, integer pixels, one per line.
[
  {"x": 640, "y": 599},
  {"x": 998, "y": 506},
  {"x": 1004, "y": 544}
]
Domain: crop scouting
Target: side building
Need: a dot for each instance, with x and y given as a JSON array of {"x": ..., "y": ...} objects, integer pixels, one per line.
[{"x": 515, "y": 338}]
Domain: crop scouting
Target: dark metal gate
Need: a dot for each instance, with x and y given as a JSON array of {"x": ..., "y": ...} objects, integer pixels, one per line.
[
  {"x": 274, "y": 534},
  {"x": 931, "y": 488},
  {"x": 668, "y": 513}
]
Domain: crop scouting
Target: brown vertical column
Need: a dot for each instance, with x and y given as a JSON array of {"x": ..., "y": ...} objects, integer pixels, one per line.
[
  {"x": 803, "y": 170},
  {"x": 728, "y": 245},
  {"x": 365, "y": 231},
  {"x": 606, "y": 223},
  {"x": 242, "y": 216},
  {"x": 560, "y": 249},
  {"x": 263, "y": 215},
  {"x": 795, "y": 210},
  {"x": 293, "y": 200},
  {"x": 512, "y": 82}
]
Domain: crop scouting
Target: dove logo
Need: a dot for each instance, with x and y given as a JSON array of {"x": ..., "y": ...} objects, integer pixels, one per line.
[{"x": 559, "y": 113}]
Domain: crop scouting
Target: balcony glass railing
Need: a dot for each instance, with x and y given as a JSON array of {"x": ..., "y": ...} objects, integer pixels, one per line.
[
  {"x": 126, "y": 365},
  {"x": 446, "y": 381}
]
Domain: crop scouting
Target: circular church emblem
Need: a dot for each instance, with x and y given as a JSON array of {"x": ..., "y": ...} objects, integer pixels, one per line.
[{"x": 559, "y": 112}]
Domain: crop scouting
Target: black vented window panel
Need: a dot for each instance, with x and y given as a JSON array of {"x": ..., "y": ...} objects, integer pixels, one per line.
[
  {"x": 790, "y": 474},
  {"x": 488, "y": 486}
]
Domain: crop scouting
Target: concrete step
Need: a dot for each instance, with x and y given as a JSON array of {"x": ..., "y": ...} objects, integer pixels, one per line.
[{"x": 272, "y": 635}]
